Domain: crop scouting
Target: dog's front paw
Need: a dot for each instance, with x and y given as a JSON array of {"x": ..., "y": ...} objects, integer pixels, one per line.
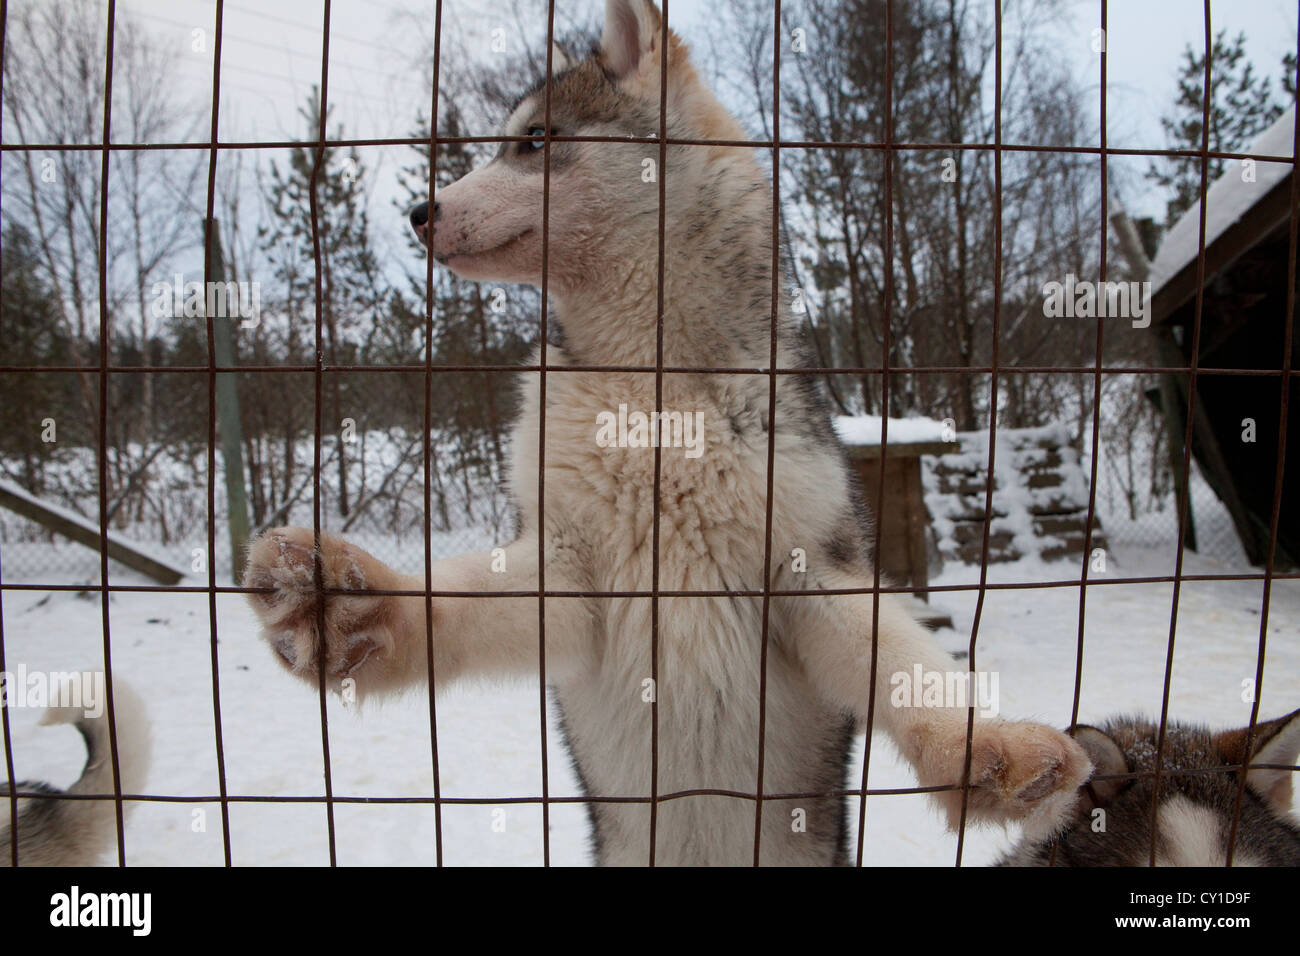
[
  {"x": 1018, "y": 771},
  {"x": 361, "y": 634}
]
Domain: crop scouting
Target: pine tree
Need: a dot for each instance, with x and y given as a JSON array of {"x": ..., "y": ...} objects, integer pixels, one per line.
[
  {"x": 1241, "y": 107},
  {"x": 33, "y": 335},
  {"x": 354, "y": 298},
  {"x": 472, "y": 324}
]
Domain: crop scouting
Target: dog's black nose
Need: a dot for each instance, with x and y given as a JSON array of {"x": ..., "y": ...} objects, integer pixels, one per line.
[{"x": 419, "y": 217}]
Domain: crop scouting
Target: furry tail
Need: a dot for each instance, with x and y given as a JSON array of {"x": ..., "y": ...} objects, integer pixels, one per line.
[{"x": 54, "y": 832}]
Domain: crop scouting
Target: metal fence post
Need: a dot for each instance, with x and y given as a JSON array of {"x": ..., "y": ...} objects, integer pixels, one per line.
[{"x": 232, "y": 435}]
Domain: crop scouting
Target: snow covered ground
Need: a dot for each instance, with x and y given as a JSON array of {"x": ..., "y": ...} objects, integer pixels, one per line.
[{"x": 489, "y": 737}]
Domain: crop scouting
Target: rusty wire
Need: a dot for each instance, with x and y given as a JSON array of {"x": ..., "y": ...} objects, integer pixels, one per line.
[
  {"x": 993, "y": 418},
  {"x": 1285, "y": 374},
  {"x": 1270, "y": 575},
  {"x": 887, "y": 329},
  {"x": 4, "y": 710},
  {"x": 427, "y": 449},
  {"x": 658, "y": 452},
  {"x": 102, "y": 435},
  {"x": 209, "y": 230},
  {"x": 1185, "y": 492}
]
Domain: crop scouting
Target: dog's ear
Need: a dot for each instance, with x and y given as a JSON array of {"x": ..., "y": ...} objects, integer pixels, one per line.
[
  {"x": 632, "y": 29},
  {"x": 1107, "y": 758},
  {"x": 560, "y": 59},
  {"x": 1275, "y": 742}
]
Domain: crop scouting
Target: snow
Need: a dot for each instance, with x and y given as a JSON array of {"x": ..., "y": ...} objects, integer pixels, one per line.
[
  {"x": 385, "y": 474},
  {"x": 865, "y": 430},
  {"x": 1014, "y": 500},
  {"x": 1229, "y": 197},
  {"x": 488, "y": 734}
]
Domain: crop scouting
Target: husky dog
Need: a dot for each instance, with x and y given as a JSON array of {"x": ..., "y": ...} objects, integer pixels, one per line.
[
  {"x": 595, "y": 528},
  {"x": 1195, "y": 806},
  {"x": 53, "y": 832}
]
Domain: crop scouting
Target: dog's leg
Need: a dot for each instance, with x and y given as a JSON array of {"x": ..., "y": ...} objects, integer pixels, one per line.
[
  {"x": 1019, "y": 770},
  {"x": 380, "y": 641}
]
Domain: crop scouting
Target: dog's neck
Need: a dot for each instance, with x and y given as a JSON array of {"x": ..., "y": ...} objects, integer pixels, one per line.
[{"x": 717, "y": 284}]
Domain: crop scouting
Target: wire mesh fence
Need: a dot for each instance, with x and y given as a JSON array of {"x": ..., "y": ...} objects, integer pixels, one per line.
[
  {"x": 1138, "y": 498},
  {"x": 379, "y": 462},
  {"x": 391, "y": 480}
]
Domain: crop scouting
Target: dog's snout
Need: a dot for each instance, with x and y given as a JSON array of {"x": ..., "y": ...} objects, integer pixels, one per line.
[{"x": 420, "y": 218}]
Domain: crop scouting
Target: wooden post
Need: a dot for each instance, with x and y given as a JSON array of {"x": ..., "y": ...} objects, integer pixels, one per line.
[
  {"x": 228, "y": 420},
  {"x": 904, "y": 522},
  {"x": 1173, "y": 388},
  {"x": 1174, "y": 392}
]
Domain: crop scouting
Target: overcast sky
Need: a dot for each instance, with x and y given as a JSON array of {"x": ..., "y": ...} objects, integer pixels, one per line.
[{"x": 272, "y": 56}]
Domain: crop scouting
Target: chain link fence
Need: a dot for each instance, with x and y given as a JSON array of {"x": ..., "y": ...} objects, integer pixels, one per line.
[
  {"x": 371, "y": 489},
  {"x": 1137, "y": 496}
]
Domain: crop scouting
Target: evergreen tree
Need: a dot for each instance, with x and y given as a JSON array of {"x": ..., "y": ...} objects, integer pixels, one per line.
[
  {"x": 1241, "y": 107},
  {"x": 33, "y": 335},
  {"x": 354, "y": 299},
  {"x": 472, "y": 324}
]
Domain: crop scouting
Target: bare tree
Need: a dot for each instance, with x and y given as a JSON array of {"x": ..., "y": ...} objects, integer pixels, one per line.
[
  {"x": 926, "y": 284},
  {"x": 54, "y": 90}
]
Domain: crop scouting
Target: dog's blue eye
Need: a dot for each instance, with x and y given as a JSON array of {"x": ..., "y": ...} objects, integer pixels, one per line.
[{"x": 535, "y": 145}]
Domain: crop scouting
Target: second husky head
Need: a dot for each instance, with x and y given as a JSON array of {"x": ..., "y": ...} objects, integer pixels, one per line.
[
  {"x": 1194, "y": 806},
  {"x": 603, "y": 205}
]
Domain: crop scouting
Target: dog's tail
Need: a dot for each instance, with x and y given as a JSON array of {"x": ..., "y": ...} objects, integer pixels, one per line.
[{"x": 54, "y": 832}]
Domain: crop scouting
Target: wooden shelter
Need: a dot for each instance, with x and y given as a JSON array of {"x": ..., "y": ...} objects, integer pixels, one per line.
[{"x": 1236, "y": 418}]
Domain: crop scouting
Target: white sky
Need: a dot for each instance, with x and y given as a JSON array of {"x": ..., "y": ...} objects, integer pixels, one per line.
[{"x": 272, "y": 56}]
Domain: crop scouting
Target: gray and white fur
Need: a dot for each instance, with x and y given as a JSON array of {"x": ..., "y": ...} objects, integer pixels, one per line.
[
  {"x": 54, "y": 832},
  {"x": 595, "y": 529},
  {"x": 1113, "y": 823}
]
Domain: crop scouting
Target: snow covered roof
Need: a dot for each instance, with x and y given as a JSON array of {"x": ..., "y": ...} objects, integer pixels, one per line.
[
  {"x": 1228, "y": 199},
  {"x": 865, "y": 430}
]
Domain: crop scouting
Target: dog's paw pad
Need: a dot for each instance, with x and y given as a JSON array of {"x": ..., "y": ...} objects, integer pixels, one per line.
[
  {"x": 355, "y": 652},
  {"x": 1048, "y": 781},
  {"x": 302, "y": 620},
  {"x": 1016, "y": 770}
]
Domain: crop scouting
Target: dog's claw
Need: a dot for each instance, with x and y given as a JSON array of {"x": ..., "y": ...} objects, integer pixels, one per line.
[{"x": 357, "y": 654}]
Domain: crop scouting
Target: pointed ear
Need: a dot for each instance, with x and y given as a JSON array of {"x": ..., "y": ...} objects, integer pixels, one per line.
[
  {"x": 1107, "y": 758},
  {"x": 632, "y": 30},
  {"x": 1275, "y": 742},
  {"x": 560, "y": 59}
]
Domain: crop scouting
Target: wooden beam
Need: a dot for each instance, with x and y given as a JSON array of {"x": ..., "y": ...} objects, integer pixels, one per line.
[
  {"x": 71, "y": 525},
  {"x": 1173, "y": 407},
  {"x": 914, "y": 449},
  {"x": 1257, "y": 223}
]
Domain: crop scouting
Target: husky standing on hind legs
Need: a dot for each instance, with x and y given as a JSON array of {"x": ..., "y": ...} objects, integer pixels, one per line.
[{"x": 596, "y": 523}]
